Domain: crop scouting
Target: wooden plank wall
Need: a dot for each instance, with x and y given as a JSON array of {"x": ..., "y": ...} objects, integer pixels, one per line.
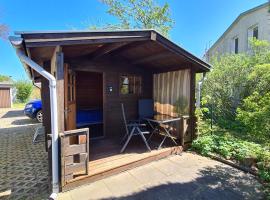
[
  {"x": 5, "y": 101},
  {"x": 113, "y": 120},
  {"x": 89, "y": 90}
]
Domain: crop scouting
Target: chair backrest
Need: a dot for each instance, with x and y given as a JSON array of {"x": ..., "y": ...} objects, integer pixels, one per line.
[
  {"x": 146, "y": 108},
  {"x": 124, "y": 117}
]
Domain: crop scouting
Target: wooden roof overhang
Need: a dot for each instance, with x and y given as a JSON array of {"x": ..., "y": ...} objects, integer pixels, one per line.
[{"x": 139, "y": 48}]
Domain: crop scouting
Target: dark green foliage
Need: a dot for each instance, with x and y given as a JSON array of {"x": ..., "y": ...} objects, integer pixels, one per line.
[
  {"x": 225, "y": 144},
  {"x": 23, "y": 90}
]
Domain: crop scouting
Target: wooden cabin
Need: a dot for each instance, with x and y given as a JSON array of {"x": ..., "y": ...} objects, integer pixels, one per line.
[{"x": 96, "y": 71}]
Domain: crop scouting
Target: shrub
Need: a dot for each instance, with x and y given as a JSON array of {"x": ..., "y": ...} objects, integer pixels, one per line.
[
  {"x": 255, "y": 110},
  {"x": 204, "y": 145},
  {"x": 230, "y": 147},
  {"x": 235, "y": 77},
  {"x": 23, "y": 90}
]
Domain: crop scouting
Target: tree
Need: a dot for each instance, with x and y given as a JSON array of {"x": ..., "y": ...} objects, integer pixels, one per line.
[
  {"x": 4, "y": 78},
  {"x": 226, "y": 84},
  {"x": 24, "y": 89},
  {"x": 229, "y": 82},
  {"x": 139, "y": 14}
]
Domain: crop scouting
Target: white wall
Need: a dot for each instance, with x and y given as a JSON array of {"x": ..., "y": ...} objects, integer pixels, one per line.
[{"x": 260, "y": 17}]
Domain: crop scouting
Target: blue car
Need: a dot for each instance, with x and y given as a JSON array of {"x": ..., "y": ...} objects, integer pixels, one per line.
[{"x": 33, "y": 109}]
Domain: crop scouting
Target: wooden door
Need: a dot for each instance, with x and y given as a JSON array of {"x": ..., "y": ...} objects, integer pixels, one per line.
[{"x": 70, "y": 98}]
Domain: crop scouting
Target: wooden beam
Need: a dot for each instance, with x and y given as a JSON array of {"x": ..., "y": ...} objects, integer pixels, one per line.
[
  {"x": 60, "y": 90},
  {"x": 192, "y": 117},
  {"x": 171, "y": 68},
  {"x": 76, "y": 41},
  {"x": 129, "y": 46},
  {"x": 31, "y": 69},
  {"x": 85, "y": 64},
  {"x": 84, "y": 34},
  {"x": 45, "y": 98},
  {"x": 57, "y": 69},
  {"x": 106, "y": 49},
  {"x": 153, "y": 57},
  {"x": 203, "y": 66}
]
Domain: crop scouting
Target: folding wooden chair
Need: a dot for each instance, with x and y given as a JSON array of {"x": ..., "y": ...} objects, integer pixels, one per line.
[{"x": 132, "y": 129}]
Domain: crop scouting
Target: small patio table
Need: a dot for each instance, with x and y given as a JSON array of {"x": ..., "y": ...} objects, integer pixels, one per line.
[{"x": 157, "y": 122}]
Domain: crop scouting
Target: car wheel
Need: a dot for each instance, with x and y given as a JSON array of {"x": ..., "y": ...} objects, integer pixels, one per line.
[{"x": 39, "y": 116}]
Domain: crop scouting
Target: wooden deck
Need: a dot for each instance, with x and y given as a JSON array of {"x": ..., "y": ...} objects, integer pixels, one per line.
[{"x": 105, "y": 159}]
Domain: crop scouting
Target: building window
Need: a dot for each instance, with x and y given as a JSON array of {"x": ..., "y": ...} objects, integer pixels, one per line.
[
  {"x": 236, "y": 45},
  {"x": 130, "y": 84},
  {"x": 255, "y": 32}
]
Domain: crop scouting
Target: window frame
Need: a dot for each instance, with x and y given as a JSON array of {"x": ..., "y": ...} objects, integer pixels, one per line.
[{"x": 136, "y": 92}]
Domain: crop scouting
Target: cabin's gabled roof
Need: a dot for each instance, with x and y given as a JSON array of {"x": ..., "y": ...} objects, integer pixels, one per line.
[{"x": 139, "y": 47}]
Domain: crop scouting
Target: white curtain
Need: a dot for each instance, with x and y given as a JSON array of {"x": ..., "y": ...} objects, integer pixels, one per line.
[{"x": 172, "y": 93}]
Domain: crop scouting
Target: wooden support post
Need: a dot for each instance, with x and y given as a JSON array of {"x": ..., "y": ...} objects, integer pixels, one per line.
[
  {"x": 182, "y": 132},
  {"x": 45, "y": 98},
  {"x": 192, "y": 118},
  {"x": 57, "y": 69},
  {"x": 60, "y": 90}
]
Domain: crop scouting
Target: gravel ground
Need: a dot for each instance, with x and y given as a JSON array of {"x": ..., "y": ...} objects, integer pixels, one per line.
[{"x": 23, "y": 165}]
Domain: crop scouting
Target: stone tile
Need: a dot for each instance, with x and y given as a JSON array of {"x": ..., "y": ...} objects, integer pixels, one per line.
[
  {"x": 20, "y": 164},
  {"x": 96, "y": 190},
  {"x": 148, "y": 174},
  {"x": 64, "y": 196},
  {"x": 167, "y": 167},
  {"x": 122, "y": 184}
]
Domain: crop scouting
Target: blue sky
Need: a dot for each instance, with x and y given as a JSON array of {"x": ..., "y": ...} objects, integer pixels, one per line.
[{"x": 197, "y": 23}]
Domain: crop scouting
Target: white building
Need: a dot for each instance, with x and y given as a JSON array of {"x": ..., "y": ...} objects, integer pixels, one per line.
[{"x": 252, "y": 23}]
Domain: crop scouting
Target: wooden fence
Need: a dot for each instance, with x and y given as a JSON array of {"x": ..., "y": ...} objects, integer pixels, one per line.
[{"x": 74, "y": 154}]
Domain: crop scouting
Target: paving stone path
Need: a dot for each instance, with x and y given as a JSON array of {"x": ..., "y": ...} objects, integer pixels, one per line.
[
  {"x": 186, "y": 176},
  {"x": 23, "y": 165}
]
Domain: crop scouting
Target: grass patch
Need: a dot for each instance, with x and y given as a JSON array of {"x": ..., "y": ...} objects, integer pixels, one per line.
[{"x": 18, "y": 105}]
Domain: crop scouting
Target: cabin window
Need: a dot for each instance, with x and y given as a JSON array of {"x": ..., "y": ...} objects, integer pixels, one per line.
[
  {"x": 255, "y": 32},
  {"x": 130, "y": 84},
  {"x": 236, "y": 45}
]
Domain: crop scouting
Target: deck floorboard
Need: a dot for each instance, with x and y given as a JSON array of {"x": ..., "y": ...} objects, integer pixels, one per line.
[{"x": 105, "y": 159}]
